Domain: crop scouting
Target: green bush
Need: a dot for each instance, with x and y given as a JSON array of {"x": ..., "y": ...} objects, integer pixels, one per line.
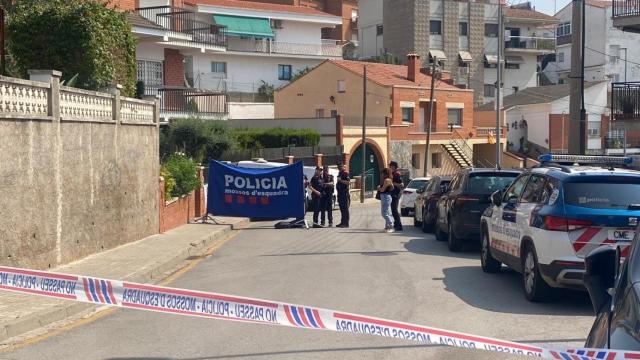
[
  {"x": 185, "y": 173},
  {"x": 83, "y": 37},
  {"x": 169, "y": 183},
  {"x": 200, "y": 139},
  {"x": 275, "y": 137}
]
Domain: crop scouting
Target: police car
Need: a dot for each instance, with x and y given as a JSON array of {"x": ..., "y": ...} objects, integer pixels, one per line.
[{"x": 552, "y": 216}]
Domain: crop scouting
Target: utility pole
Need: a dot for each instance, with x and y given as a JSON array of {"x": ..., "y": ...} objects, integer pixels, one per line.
[
  {"x": 576, "y": 81},
  {"x": 364, "y": 135},
  {"x": 427, "y": 158},
  {"x": 499, "y": 86}
]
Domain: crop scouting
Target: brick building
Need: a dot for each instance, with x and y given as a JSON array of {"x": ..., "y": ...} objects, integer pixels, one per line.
[{"x": 398, "y": 98}]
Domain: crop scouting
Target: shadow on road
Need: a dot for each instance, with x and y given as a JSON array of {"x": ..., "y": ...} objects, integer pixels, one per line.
[
  {"x": 366, "y": 253},
  {"x": 502, "y": 292},
  {"x": 428, "y": 245}
]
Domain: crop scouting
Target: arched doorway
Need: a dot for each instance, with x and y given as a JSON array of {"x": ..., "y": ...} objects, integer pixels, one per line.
[{"x": 373, "y": 163}]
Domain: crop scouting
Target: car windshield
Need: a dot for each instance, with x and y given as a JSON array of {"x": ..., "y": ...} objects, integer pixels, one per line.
[
  {"x": 417, "y": 184},
  {"x": 487, "y": 183},
  {"x": 612, "y": 194}
]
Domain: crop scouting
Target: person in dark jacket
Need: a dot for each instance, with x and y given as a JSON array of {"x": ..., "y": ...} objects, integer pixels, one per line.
[
  {"x": 316, "y": 186},
  {"x": 398, "y": 186},
  {"x": 327, "y": 197},
  {"x": 343, "y": 196}
]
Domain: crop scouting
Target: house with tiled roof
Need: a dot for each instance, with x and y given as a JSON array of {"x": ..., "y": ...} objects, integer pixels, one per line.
[
  {"x": 398, "y": 105},
  {"x": 207, "y": 55}
]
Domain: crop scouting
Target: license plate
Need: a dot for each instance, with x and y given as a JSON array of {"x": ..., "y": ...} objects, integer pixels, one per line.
[{"x": 621, "y": 235}]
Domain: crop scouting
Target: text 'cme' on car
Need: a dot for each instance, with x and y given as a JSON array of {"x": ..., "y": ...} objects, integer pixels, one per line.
[{"x": 553, "y": 215}]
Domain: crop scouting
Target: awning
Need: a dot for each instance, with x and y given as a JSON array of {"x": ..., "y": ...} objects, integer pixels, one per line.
[
  {"x": 245, "y": 26},
  {"x": 514, "y": 59},
  {"x": 465, "y": 56},
  {"x": 439, "y": 54},
  {"x": 491, "y": 59}
]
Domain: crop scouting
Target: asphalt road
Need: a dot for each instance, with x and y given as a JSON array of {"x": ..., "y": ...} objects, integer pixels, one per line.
[{"x": 403, "y": 276}]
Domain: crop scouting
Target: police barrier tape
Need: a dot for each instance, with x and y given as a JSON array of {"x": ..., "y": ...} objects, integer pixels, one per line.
[{"x": 234, "y": 308}]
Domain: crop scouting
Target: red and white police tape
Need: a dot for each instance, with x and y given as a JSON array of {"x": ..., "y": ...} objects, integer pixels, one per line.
[{"x": 235, "y": 308}]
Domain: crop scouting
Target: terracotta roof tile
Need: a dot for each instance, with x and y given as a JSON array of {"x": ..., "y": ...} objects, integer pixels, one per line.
[
  {"x": 137, "y": 20},
  {"x": 388, "y": 75},
  {"x": 527, "y": 14},
  {"x": 250, "y": 5},
  {"x": 600, "y": 3}
]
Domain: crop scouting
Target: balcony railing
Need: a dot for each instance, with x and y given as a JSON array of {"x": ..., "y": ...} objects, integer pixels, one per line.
[
  {"x": 530, "y": 43},
  {"x": 626, "y": 8},
  {"x": 279, "y": 47},
  {"x": 182, "y": 25},
  {"x": 189, "y": 101},
  {"x": 625, "y": 101}
]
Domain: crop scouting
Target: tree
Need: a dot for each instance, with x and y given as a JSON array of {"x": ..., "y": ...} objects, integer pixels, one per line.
[
  {"x": 80, "y": 37},
  {"x": 198, "y": 138}
]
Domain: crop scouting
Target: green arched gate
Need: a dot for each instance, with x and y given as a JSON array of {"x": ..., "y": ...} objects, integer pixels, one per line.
[{"x": 372, "y": 170}]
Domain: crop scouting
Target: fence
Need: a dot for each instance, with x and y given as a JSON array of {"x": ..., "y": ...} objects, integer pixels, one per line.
[
  {"x": 625, "y": 101},
  {"x": 626, "y": 8}
]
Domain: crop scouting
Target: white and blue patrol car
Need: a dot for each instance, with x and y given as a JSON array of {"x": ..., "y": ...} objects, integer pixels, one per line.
[{"x": 552, "y": 216}]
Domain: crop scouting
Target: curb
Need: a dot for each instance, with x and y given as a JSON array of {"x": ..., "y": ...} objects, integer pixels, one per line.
[{"x": 153, "y": 275}]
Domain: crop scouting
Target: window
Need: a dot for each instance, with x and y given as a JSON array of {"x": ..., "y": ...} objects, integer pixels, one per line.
[
  {"x": 563, "y": 29},
  {"x": 560, "y": 57},
  {"x": 489, "y": 90},
  {"x": 485, "y": 183},
  {"x": 436, "y": 160},
  {"x": 594, "y": 128},
  {"x": 407, "y": 114},
  {"x": 354, "y": 15},
  {"x": 334, "y": 113},
  {"x": 605, "y": 193},
  {"x": 342, "y": 86},
  {"x": 435, "y": 27},
  {"x": 455, "y": 117},
  {"x": 284, "y": 72},
  {"x": 516, "y": 188},
  {"x": 415, "y": 162},
  {"x": 512, "y": 66},
  {"x": 218, "y": 67},
  {"x": 464, "y": 28},
  {"x": 614, "y": 53},
  {"x": 319, "y": 113},
  {"x": 491, "y": 30},
  {"x": 379, "y": 30},
  {"x": 549, "y": 187},
  {"x": 533, "y": 191},
  {"x": 150, "y": 72}
]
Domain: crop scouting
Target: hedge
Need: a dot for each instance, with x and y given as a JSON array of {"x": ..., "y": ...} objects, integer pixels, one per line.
[
  {"x": 200, "y": 139},
  {"x": 275, "y": 138},
  {"x": 184, "y": 172},
  {"x": 82, "y": 38}
]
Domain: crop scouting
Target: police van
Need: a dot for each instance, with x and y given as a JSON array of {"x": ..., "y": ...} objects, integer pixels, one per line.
[{"x": 552, "y": 216}]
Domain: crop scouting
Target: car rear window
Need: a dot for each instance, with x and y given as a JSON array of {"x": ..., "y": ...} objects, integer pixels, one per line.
[
  {"x": 612, "y": 194},
  {"x": 417, "y": 184},
  {"x": 487, "y": 183}
]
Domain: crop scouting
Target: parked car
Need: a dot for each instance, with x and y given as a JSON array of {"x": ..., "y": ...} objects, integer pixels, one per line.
[
  {"x": 424, "y": 214},
  {"x": 552, "y": 216},
  {"x": 469, "y": 194},
  {"x": 615, "y": 295},
  {"x": 409, "y": 194}
]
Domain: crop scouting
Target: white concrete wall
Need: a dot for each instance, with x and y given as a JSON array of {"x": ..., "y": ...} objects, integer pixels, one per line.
[
  {"x": 150, "y": 3},
  {"x": 537, "y": 118},
  {"x": 149, "y": 51},
  {"x": 369, "y": 17},
  {"x": 245, "y": 110},
  {"x": 245, "y": 72},
  {"x": 631, "y": 42},
  {"x": 299, "y": 32}
]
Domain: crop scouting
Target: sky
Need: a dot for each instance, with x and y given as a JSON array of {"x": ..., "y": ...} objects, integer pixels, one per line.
[{"x": 545, "y": 6}]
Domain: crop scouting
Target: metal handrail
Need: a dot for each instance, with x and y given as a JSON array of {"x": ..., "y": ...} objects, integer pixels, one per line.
[{"x": 459, "y": 141}]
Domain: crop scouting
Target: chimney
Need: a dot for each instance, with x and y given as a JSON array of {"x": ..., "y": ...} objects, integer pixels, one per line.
[{"x": 413, "y": 65}]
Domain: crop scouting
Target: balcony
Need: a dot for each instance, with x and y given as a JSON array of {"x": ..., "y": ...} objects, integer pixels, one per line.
[
  {"x": 183, "y": 29},
  {"x": 325, "y": 49},
  {"x": 626, "y": 15},
  {"x": 185, "y": 102},
  {"x": 541, "y": 45},
  {"x": 625, "y": 104}
]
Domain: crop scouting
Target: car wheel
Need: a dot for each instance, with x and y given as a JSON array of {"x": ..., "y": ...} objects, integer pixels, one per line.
[
  {"x": 404, "y": 212},
  {"x": 455, "y": 244},
  {"x": 488, "y": 262},
  {"x": 426, "y": 226},
  {"x": 440, "y": 235},
  {"x": 535, "y": 288}
]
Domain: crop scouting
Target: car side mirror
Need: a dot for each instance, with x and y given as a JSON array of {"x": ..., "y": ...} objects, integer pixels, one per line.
[
  {"x": 420, "y": 191},
  {"x": 512, "y": 200},
  {"x": 601, "y": 267},
  {"x": 496, "y": 198}
]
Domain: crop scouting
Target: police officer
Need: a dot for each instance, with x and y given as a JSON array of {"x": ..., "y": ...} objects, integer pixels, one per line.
[
  {"x": 395, "y": 195},
  {"x": 317, "y": 187},
  {"x": 327, "y": 196},
  {"x": 343, "y": 196}
]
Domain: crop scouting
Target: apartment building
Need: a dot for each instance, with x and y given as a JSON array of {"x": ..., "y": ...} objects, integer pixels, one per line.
[
  {"x": 607, "y": 47},
  {"x": 463, "y": 38},
  {"x": 197, "y": 56}
]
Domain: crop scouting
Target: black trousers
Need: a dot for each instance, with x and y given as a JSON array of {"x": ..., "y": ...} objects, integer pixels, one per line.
[
  {"x": 397, "y": 221},
  {"x": 343, "y": 202},
  {"x": 327, "y": 208},
  {"x": 316, "y": 205}
]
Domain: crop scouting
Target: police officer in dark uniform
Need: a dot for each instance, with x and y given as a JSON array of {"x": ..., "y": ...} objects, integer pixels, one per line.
[
  {"x": 395, "y": 195},
  {"x": 327, "y": 196},
  {"x": 343, "y": 196},
  {"x": 316, "y": 186}
]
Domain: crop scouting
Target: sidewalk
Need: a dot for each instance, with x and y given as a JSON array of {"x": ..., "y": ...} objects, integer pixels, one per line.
[{"x": 147, "y": 261}]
